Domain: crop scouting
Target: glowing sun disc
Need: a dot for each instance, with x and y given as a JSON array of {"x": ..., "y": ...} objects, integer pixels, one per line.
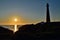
[{"x": 15, "y": 19}]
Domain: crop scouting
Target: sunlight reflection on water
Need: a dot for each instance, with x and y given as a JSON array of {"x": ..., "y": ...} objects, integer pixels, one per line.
[{"x": 15, "y": 28}]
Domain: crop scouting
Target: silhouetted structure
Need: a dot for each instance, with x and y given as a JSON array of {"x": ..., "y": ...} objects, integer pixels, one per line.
[{"x": 47, "y": 15}]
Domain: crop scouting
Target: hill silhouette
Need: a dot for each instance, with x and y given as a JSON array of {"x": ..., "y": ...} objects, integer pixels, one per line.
[
  {"x": 39, "y": 31},
  {"x": 5, "y": 34}
]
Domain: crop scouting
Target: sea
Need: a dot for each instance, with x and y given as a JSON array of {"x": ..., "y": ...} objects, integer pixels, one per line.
[{"x": 10, "y": 27}]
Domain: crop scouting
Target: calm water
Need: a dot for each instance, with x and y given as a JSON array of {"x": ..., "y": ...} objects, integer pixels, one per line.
[{"x": 10, "y": 27}]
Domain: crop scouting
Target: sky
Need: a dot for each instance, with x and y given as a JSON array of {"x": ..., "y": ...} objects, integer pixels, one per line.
[{"x": 28, "y": 11}]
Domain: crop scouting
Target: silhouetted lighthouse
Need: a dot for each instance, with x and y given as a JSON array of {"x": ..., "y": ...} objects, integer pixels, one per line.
[{"x": 47, "y": 14}]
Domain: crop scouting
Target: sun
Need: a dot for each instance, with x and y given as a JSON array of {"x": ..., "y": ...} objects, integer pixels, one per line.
[{"x": 15, "y": 20}]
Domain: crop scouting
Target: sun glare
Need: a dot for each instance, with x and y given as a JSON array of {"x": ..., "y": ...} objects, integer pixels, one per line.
[{"x": 15, "y": 19}]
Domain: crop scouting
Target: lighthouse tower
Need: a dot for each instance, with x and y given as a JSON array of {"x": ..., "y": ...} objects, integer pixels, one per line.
[{"x": 47, "y": 14}]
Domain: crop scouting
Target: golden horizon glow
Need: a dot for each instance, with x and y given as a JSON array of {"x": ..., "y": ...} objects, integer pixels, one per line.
[{"x": 18, "y": 21}]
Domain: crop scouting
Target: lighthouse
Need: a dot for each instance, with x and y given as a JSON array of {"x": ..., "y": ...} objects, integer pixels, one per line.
[{"x": 47, "y": 13}]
